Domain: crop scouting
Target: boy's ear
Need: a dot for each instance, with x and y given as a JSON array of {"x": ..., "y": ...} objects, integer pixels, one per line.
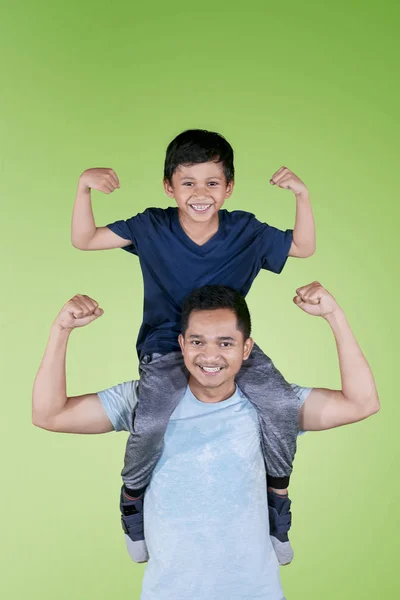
[
  {"x": 168, "y": 189},
  {"x": 229, "y": 189}
]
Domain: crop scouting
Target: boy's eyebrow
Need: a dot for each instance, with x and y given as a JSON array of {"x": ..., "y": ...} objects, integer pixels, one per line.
[{"x": 211, "y": 177}]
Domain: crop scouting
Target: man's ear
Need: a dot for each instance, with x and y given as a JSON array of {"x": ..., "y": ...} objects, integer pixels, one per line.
[
  {"x": 168, "y": 189},
  {"x": 248, "y": 347},
  {"x": 181, "y": 341},
  {"x": 229, "y": 189}
]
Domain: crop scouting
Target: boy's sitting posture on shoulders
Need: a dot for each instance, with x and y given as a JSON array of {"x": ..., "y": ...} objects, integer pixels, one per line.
[{"x": 180, "y": 249}]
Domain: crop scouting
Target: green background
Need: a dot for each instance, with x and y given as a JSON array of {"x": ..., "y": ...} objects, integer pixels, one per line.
[{"x": 310, "y": 85}]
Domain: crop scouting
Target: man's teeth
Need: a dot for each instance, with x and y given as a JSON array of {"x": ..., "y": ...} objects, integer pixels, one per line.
[
  {"x": 201, "y": 207},
  {"x": 211, "y": 369}
]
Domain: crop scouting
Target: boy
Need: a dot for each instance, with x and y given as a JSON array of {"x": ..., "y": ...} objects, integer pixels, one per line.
[{"x": 180, "y": 249}]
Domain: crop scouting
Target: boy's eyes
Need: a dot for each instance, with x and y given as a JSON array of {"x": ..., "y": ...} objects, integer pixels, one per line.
[{"x": 190, "y": 183}]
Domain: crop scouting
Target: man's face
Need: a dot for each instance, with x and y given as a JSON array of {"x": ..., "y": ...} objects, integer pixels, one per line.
[
  {"x": 199, "y": 190},
  {"x": 213, "y": 348}
]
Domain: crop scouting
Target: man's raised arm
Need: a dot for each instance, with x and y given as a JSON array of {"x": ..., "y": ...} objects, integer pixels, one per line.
[
  {"x": 358, "y": 398},
  {"x": 51, "y": 408}
]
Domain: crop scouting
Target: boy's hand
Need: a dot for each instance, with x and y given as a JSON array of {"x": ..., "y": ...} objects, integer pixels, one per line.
[
  {"x": 315, "y": 300},
  {"x": 78, "y": 312},
  {"x": 284, "y": 178},
  {"x": 103, "y": 180}
]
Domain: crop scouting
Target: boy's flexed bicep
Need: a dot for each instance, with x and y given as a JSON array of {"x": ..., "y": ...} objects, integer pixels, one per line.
[
  {"x": 85, "y": 235},
  {"x": 105, "y": 239}
]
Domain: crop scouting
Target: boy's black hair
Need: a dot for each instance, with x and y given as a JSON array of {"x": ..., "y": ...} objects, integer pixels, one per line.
[
  {"x": 212, "y": 297},
  {"x": 198, "y": 146}
]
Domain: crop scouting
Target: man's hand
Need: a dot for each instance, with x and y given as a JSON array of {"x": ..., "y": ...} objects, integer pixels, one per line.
[
  {"x": 286, "y": 179},
  {"x": 103, "y": 180},
  {"x": 315, "y": 300},
  {"x": 78, "y": 312}
]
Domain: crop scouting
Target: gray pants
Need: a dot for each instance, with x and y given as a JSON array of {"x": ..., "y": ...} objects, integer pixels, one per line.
[{"x": 163, "y": 380}]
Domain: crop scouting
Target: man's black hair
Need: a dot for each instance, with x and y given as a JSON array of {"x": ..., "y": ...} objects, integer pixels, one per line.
[
  {"x": 212, "y": 297},
  {"x": 196, "y": 146}
]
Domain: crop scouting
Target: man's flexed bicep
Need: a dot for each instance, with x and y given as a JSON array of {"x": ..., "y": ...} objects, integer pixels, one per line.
[
  {"x": 358, "y": 398},
  {"x": 80, "y": 414},
  {"x": 51, "y": 408},
  {"x": 326, "y": 409}
]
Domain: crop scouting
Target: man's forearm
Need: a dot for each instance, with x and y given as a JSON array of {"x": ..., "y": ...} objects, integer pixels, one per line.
[
  {"x": 49, "y": 390},
  {"x": 83, "y": 223},
  {"x": 304, "y": 229},
  {"x": 358, "y": 385}
]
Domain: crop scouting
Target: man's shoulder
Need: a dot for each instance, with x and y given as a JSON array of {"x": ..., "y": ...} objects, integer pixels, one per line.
[{"x": 119, "y": 402}]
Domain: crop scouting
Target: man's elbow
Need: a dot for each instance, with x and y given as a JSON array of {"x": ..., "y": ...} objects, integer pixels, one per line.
[
  {"x": 42, "y": 422},
  {"x": 370, "y": 408}
]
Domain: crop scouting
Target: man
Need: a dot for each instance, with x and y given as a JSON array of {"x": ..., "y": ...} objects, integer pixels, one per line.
[{"x": 210, "y": 542}]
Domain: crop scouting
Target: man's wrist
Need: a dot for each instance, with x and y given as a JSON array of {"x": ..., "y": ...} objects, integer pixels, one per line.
[
  {"x": 336, "y": 317},
  {"x": 60, "y": 332}
]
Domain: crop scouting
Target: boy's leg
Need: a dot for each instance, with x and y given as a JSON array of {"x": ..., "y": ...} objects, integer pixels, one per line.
[
  {"x": 163, "y": 380},
  {"x": 278, "y": 411}
]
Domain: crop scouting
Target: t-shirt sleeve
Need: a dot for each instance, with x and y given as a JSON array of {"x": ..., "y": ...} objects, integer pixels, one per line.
[
  {"x": 275, "y": 246},
  {"x": 132, "y": 229},
  {"x": 302, "y": 394},
  {"x": 119, "y": 403}
]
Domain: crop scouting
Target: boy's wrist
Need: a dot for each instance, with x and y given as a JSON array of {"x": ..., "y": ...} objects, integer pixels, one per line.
[
  {"x": 303, "y": 195},
  {"x": 82, "y": 187}
]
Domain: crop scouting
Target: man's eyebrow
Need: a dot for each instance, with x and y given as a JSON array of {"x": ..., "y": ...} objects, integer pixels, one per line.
[{"x": 226, "y": 338}]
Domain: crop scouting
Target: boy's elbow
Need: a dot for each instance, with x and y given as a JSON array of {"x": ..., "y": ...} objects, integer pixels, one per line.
[{"x": 78, "y": 244}]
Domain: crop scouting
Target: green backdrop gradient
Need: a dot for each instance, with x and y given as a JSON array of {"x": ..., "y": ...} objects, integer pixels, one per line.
[{"x": 310, "y": 85}]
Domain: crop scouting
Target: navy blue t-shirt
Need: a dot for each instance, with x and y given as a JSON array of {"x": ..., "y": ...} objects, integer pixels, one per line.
[{"x": 173, "y": 265}]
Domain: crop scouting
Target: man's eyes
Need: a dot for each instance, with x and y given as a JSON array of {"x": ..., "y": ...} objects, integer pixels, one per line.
[{"x": 223, "y": 344}]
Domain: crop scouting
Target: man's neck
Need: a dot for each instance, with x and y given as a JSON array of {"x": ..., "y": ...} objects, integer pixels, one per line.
[
  {"x": 199, "y": 233},
  {"x": 212, "y": 395}
]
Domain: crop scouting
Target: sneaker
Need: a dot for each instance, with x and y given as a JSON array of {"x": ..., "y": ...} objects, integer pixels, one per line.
[
  {"x": 280, "y": 520},
  {"x": 133, "y": 526}
]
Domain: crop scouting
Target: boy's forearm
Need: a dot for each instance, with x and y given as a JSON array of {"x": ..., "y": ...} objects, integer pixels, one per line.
[
  {"x": 49, "y": 390},
  {"x": 83, "y": 223},
  {"x": 304, "y": 229},
  {"x": 358, "y": 385}
]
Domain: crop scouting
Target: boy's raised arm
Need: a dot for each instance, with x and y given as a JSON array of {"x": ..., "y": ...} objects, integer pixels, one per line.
[
  {"x": 303, "y": 244},
  {"x": 84, "y": 234}
]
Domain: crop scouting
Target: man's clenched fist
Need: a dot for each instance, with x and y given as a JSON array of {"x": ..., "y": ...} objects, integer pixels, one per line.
[
  {"x": 315, "y": 300},
  {"x": 78, "y": 312},
  {"x": 103, "y": 180}
]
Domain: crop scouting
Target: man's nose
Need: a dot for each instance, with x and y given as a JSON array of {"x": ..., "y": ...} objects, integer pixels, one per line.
[{"x": 211, "y": 353}]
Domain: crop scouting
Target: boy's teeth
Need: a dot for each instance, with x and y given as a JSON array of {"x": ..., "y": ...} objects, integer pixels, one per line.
[
  {"x": 200, "y": 206},
  {"x": 211, "y": 369}
]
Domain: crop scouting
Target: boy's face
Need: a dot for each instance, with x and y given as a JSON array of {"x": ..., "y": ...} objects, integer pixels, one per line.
[
  {"x": 213, "y": 348},
  {"x": 199, "y": 190}
]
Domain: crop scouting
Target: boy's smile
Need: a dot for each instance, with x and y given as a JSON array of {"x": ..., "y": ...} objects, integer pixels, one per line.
[{"x": 200, "y": 190}]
